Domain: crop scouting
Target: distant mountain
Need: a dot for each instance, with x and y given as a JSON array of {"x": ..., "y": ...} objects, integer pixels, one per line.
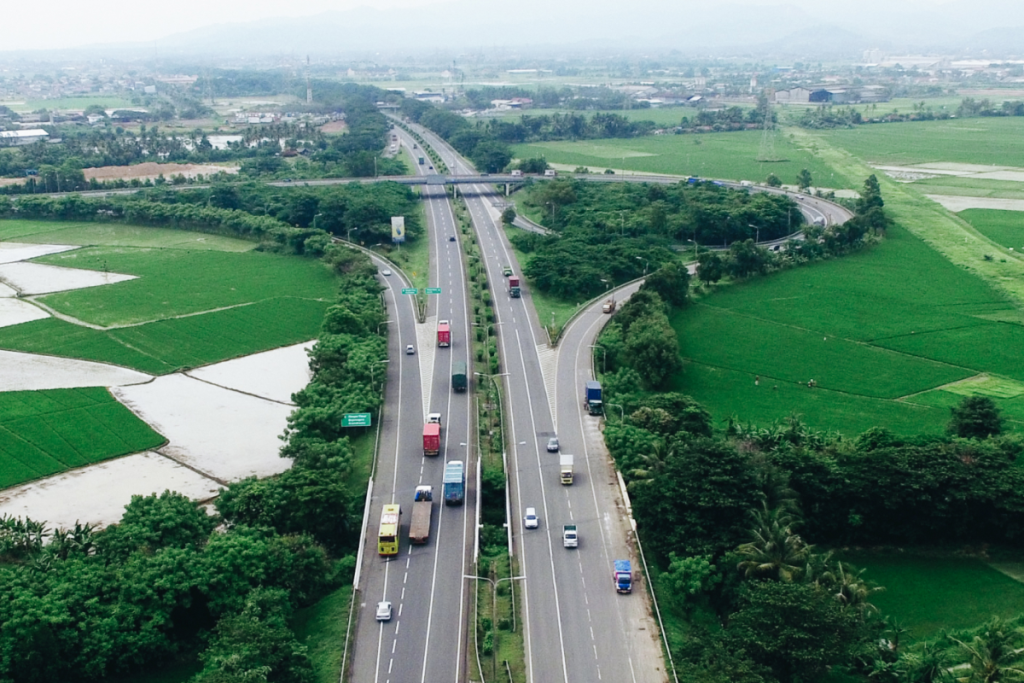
[{"x": 799, "y": 27}]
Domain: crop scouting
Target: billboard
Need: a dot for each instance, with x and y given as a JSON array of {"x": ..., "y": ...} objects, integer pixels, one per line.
[{"x": 398, "y": 229}]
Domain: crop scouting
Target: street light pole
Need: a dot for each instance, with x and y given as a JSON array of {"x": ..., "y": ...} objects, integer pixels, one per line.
[
  {"x": 604, "y": 355},
  {"x": 314, "y": 219},
  {"x": 646, "y": 262},
  {"x": 757, "y": 239},
  {"x": 494, "y": 609},
  {"x": 372, "y": 366},
  {"x": 622, "y": 413}
]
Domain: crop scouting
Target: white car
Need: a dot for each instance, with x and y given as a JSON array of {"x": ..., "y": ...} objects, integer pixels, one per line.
[
  {"x": 386, "y": 271},
  {"x": 531, "y": 521},
  {"x": 410, "y": 350},
  {"x": 434, "y": 418},
  {"x": 384, "y": 611}
]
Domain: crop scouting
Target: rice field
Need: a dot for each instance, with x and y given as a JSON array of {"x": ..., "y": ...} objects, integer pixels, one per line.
[
  {"x": 116, "y": 234},
  {"x": 1005, "y": 228},
  {"x": 883, "y": 333},
  {"x": 44, "y": 432},
  {"x": 175, "y": 282},
  {"x": 712, "y": 155},
  {"x": 166, "y": 346}
]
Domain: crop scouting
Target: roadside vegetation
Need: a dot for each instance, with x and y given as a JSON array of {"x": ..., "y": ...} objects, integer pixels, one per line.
[{"x": 227, "y": 594}]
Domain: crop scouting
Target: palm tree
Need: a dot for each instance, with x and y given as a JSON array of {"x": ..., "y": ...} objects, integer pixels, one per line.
[
  {"x": 775, "y": 551},
  {"x": 849, "y": 588},
  {"x": 994, "y": 654}
]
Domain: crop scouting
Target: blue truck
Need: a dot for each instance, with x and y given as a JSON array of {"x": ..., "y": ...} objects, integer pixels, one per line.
[
  {"x": 592, "y": 397},
  {"x": 454, "y": 483},
  {"x": 623, "y": 577}
]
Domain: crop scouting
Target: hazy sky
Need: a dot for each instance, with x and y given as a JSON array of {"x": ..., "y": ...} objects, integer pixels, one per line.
[{"x": 71, "y": 23}]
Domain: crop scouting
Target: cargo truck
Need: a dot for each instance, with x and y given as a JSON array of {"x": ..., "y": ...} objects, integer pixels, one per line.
[
  {"x": 454, "y": 483},
  {"x": 592, "y": 397},
  {"x": 444, "y": 334},
  {"x": 419, "y": 530},
  {"x": 431, "y": 438},
  {"x": 459, "y": 380},
  {"x": 609, "y": 306},
  {"x": 421, "y": 161},
  {"x": 565, "y": 468},
  {"x": 623, "y": 577},
  {"x": 513, "y": 287},
  {"x": 569, "y": 537}
]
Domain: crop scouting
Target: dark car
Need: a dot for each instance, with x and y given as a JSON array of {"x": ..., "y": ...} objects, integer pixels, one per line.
[
  {"x": 553, "y": 444},
  {"x": 451, "y": 238}
]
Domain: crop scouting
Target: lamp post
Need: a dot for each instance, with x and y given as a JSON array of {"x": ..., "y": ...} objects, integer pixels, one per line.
[
  {"x": 757, "y": 232},
  {"x": 646, "y": 262},
  {"x": 694, "y": 249},
  {"x": 494, "y": 609},
  {"x": 372, "y": 366},
  {"x": 314, "y": 219},
  {"x": 622, "y": 412},
  {"x": 604, "y": 355}
]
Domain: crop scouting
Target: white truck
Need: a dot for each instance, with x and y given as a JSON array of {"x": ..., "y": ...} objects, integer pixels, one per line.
[
  {"x": 565, "y": 468},
  {"x": 569, "y": 537}
]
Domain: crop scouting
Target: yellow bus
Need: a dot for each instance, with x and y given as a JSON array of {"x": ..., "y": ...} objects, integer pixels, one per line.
[{"x": 387, "y": 537}]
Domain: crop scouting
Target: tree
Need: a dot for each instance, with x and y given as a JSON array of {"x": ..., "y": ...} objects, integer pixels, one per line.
[
  {"x": 995, "y": 653},
  {"x": 654, "y": 350},
  {"x": 671, "y": 282},
  {"x": 710, "y": 267},
  {"x": 975, "y": 417},
  {"x": 795, "y": 629},
  {"x": 701, "y": 502},
  {"x": 491, "y": 156},
  {"x": 775, "y": 552},
  {"x": 256, "y": 645},
  {"x": 508, "y": 216},
  {"x": 803, "y": 179},
  {"x": 773, "y": 180}
]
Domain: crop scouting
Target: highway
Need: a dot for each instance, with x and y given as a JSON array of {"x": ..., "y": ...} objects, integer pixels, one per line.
[
  {"x": 577, "y": 629},
  {"x": 426, "y": 640}
]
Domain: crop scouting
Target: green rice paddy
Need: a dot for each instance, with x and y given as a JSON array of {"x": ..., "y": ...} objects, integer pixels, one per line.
[{"x": 45, "y": 432}]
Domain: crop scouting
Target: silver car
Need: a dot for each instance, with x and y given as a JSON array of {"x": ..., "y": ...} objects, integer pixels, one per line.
[
  {"x": 384, "y": 611},
  {"x": 531, "y": 521},
  {"x": 553, "y": 444}
]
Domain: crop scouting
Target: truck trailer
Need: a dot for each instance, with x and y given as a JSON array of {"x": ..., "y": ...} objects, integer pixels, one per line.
[
  {"x": 513, "y": 287},
  {"x": 454, "y": 483},
  {"x": 431, "y": 438},
  {"x": 623, "y": 577},
  {"x": 565, "y": 468},
  {"x": 419, "y": 530},
  {"x": 459, "y": 379},
  {"x": 444, "y": 334},
  {"x": 592, "y": 397}
]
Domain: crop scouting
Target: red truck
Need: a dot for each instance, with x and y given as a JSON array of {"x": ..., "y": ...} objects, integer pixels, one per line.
[
  {"x": 444, "y": 334},
  {"x": 431, "y": 438}
]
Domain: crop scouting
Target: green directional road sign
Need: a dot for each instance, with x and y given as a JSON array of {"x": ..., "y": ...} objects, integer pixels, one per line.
[
  {"x": 433, "y": 290},
  {"x": 355, "y": 420},
  {"x": 410, "y": 290}
]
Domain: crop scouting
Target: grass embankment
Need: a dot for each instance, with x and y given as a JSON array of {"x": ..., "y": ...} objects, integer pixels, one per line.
[
  {"x": 321, "y": 627},
  {"x": 712, "y": 155},
  {"x": 45, "y": 432},
  {"x": 117, "y": 235}
]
